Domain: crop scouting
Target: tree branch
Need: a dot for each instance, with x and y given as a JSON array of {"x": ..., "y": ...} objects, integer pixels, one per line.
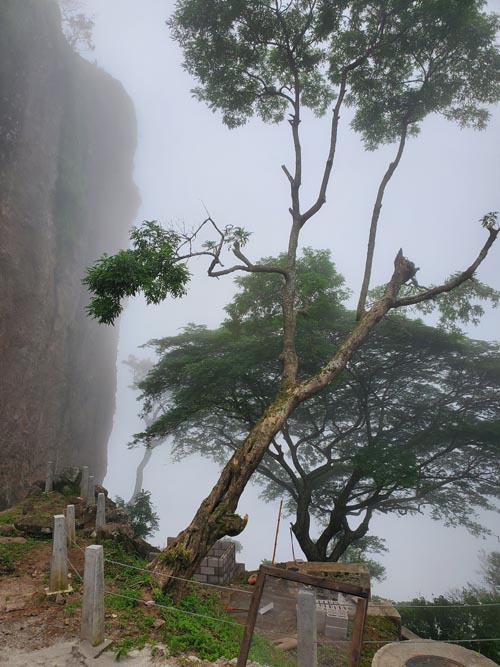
[
  {"x": 374, "y": 221},
  {"x": 451, "y": 284},
  {"x": 321, "y": 199}
]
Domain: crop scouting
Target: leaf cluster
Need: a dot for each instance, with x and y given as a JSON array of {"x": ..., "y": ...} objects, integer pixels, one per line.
[
  {"x": 151, "y": 266},
  {"x": 398, "y": 60},
  {"x": 143, "y": 517}
]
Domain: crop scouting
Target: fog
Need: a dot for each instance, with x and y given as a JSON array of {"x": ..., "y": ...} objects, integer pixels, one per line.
[{"x": 186, "y": 159}]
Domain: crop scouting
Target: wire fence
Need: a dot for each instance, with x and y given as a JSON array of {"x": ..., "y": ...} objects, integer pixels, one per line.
[{"x": 235, "y": 624}]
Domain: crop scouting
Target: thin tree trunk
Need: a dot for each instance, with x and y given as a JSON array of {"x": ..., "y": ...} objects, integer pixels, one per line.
[{"x": 139, "y": 474}]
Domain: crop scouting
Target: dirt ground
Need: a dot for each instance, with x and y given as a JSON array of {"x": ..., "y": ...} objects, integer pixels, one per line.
[{"x": 42, "y": 631}]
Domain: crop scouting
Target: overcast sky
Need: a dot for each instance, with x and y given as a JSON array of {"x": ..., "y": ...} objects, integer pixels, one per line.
[{"x": 187, "y": 159}]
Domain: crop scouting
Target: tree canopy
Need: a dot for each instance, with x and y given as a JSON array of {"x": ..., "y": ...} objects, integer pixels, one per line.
[
  {"x": 412, "y": 424},
  {"x": 395, "y": 60}
]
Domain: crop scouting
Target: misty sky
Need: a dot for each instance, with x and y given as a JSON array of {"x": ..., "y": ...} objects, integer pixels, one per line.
[{"x": 187, "y": 159}]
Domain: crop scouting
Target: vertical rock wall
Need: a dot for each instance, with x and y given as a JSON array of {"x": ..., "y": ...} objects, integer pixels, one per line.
[{"x": 67, "y": 143}]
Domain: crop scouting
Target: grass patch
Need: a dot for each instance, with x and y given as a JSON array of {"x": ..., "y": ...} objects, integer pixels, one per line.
[
  {"x": 200, "y": 625},
  {"x": 71, "y": 606},
  {"x": 12, "y": 552},
  {"x": 377, "y": 628},
  {"x": 9, "y": 516},
  {"x": 265, "y": 653}
]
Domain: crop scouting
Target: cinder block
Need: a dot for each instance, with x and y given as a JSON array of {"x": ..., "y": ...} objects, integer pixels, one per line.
[
  {"x": 207, "y": 570},
  {"x": 335, "y": 633},
  {"x": 211, "y": 562},
  {"x": 202, "y": 578},
  {"x": 214, "y": 579}
]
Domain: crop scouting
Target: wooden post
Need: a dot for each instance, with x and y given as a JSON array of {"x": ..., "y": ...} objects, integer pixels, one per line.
[
  {"x": 100, "y": 517},
  {"x": 307, "y": 639},
  {"x": 91, "y": 492},
  {"x": 58, "y": 581},
  {"x": 277, "y": 531},
  {"x": 70, "y": 524},
  {"x": 92, "y": 627},
  {"x": 84, "y": 483}
]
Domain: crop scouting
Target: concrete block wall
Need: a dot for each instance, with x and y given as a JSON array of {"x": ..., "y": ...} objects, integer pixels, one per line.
[
  {"x": 219, "y": 566},
  {"x": 332, "y": 619}
]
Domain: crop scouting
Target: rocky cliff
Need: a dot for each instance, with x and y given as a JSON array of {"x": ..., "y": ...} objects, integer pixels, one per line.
[{"x": 67, "y": 142}]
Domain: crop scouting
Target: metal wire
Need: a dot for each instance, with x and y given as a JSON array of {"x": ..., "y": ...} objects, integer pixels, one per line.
[
  {"x": 151, "y": 603},
  {"x": 189, "y": 581},
  {"x": 74, "y": 569}
]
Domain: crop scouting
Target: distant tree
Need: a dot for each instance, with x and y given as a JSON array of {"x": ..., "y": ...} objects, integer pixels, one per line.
[
  {"x": 490, "y": 566},
  {"x": 412, "y": 423},
  {"x": 143, "y": 517},
  {"x": 470, "y": 614},
  {"x": 78, "y": 27},
  {"x": 140, "y": 369},
  {"x": 394, "y": 62}
]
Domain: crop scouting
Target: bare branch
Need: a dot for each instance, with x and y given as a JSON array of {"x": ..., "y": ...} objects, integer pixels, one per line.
[
  {"x": 321, "y": 199},
  {"x": 454, "y": 282},
  {"x": 374, "y": 221}
]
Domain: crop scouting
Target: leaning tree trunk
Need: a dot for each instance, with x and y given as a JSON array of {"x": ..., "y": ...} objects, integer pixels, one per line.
[
  {"x": 216, "y": 515},
  {"x": 139, "y": 474}
]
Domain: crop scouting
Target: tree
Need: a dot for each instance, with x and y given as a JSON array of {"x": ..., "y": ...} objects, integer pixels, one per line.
[
  {"x": 142, "y": 514},
  {"x": 394, "y": 62},
  {"x": 490, "y": 566},
  {"x": 412, "y": 424},
  {"x": 140, "y": 369},
  {"x": 469, "y": 614},
  {"x": 77, "y": 26}
]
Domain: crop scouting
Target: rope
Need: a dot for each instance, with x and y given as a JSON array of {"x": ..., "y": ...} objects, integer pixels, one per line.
[
  {"x": 77, "y": 546},
  {"x": 168, "y": 576},
  {"x": 241, "y": 590},
  {"x": 74, "y": 569},
  {"x": 151, "y": 603}
]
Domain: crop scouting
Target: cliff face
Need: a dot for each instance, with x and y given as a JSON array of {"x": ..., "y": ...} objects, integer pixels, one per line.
[{"x": 67, "y": 142}]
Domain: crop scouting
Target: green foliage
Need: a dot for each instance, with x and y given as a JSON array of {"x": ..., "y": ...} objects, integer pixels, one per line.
[
  {"x": 358, "y": 553},
  {"x": 205, "y": 628},
  {"x": 129, "y": 578},
  {"x": 412, "y": 424},
  {"x": 490, "y": 565},
  {"x": 12, "y": 552},
  {"x": 462, "y": 305},
  {"x": 263, "y": 652},
  {"x": 151, "y": 267},
  {"x": 123, "y": 598},
  {"x": 122, "y": 648},
  {"x": 9, "y": 516},
  {"x": 399, "y": 61},
  {"x": 444, "y": 619},
  {"x": 141, "y": 511},
  {"x": 490, "y": 220}
]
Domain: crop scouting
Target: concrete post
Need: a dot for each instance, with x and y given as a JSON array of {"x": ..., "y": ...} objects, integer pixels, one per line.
[
  {"x": 307, "y": 654},
  {"x": 100, "y": 517},
  {"x": 70, "y": 524},
  {"x": 84, "y": 483},
  {"x": 49, "y": 479},
  {"x": 58, "y": 581},
  {"x": 91, "y": 492},
  {"x": 92, "y": 628}
]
